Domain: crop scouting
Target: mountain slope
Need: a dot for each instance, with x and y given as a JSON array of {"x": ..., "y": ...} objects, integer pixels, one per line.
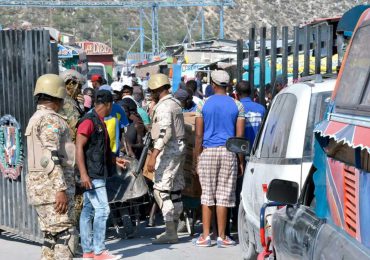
[{"x": 106, "y": 24}]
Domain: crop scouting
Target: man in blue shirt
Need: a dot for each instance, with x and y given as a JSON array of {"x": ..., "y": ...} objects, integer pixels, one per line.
[
  {"x": 254, "y": 112},
  {"x": 217, "y": 119}
]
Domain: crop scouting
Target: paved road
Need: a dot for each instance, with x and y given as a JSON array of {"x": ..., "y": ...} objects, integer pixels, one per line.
[{"x": 12, "y": 247}]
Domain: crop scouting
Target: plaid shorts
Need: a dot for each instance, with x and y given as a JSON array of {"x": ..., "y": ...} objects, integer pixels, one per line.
[{"x": 217, "y": 169}]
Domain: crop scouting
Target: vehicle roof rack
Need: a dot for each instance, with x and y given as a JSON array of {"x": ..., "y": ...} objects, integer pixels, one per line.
[{"x": 317, "y": 78}]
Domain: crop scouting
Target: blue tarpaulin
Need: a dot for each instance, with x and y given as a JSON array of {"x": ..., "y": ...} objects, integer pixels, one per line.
[
  {"x": 257, "y": 71},
  {"x": 176, "y": 77},
  {"x": 257, "y": 66}
]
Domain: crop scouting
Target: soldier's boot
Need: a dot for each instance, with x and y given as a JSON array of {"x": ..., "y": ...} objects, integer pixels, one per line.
[{"x": 169, "y": 236}]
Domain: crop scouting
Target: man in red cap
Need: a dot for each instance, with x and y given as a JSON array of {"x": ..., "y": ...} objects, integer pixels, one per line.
[{"x": 96, "y": 81}]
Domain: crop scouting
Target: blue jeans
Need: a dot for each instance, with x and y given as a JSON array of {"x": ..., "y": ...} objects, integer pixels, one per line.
[{"x": 95, "y": 206}]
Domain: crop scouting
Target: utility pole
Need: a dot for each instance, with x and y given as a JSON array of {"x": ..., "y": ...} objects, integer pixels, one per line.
[
  {"x": 111, "y": 37},
  {"x": 221, "y": 21},
  {"x": 155, "y": 36},
  {"x": 203, "y": 36},
  {"x": 141, "y": 35}
]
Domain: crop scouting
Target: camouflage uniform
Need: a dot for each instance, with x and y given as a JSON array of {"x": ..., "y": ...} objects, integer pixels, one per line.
[
  {"x": 51, "y": 169},
  {"x": 168, "y": 137},
  {"x": 73, "y": 114}
]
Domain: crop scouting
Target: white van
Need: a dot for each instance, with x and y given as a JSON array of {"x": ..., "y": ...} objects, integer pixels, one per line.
[
  {"x": 96, "y": 68},
  {"x": 283, "y": 150}
]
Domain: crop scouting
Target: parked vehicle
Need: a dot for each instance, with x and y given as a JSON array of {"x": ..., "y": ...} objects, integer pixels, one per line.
[
  {"x": 96, "y": 68},
  {"x": 282, "y": 150},
  {"x": 331, "y": 218}
]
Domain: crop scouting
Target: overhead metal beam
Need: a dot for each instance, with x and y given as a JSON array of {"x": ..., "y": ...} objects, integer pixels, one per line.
[
  {"x": 203, "y": 30},
  {"x": 113, "y": 4}
]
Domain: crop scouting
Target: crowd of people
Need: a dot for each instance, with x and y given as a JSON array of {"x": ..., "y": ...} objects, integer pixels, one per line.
[{"x": 99, "y": 127}]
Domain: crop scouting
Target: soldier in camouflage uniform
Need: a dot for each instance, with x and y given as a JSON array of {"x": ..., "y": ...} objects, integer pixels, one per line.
[
  {"x": 50, "y": 180},
  {"x": 73, "y": 108},
  {"x": 167, "y": 157}
]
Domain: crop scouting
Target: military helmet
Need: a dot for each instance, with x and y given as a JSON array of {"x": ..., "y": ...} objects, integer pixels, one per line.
[
  {"x": 72, "y": 75},
  {"x": 52, "y": 85},
  {"x": 158, "y": 80}
]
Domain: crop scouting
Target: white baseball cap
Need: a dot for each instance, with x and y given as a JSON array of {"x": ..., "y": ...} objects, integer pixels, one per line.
[
  {"x": 117, "y": 86},
  {"x": 127, "y": 82},
  {"x": 220, "y": 77}
]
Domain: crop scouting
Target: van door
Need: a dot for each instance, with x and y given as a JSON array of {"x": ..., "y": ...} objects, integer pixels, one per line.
[
  {"x": 318, "y": 105},
  {"x": 269, "y": 160}
]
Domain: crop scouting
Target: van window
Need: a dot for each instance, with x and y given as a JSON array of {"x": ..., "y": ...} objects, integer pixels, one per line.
[
  {"x": 95, "y": 70},
  {"x": 318, "y": 105},
  {"x": 277, "y": 127},
  {"x": 353, "y": 94}
]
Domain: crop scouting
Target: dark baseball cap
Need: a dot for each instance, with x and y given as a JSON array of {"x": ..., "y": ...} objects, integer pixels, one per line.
[
  {"x": 103, "y": 96},
  {"x": 181, "y": 95}
]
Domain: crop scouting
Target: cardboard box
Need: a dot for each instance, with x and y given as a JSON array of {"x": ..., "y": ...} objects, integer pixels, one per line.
[
  {"x": 192, "y": 185},
  {"x": 146, "y": 173}
]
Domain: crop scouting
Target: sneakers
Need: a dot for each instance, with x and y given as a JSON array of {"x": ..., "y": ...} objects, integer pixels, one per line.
[
  {"x": 201, "y": 242},
  {"x": 105, "y": 255},
  {"x": 88, "y": 255},
  {"x": 227, "y": 242}
]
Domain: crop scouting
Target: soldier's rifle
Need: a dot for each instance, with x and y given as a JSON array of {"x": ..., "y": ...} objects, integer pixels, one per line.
[{"x": 144, "y": 153}]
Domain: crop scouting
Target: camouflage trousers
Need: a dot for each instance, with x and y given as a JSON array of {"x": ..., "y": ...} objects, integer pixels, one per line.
[
  {"x": 59, "y": 232},
  {"x": 169, "y": 177},
  {"x": 56, "y": 251},
  {"x": 170, "y": 205},
  {"x": 169, "y": 169}
]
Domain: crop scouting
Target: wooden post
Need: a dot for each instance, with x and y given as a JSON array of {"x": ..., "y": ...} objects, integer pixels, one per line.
[
  {"x": 285, "y": 54},
  {"x": 239, "y": 60},
  {"x": 307, "y": 40},
  {"x": 296, "y": 53},
  {"x": 262, "y": 55},
  {"x": 251, "y": 48},
  {"x": 329, "y": 52},
  {"x": 318, "y": 50},
  {"x": 273, "y": 59}
]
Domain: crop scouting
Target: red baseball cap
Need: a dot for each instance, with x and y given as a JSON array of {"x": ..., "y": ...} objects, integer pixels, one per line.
[{"x": 96, "y": 77}]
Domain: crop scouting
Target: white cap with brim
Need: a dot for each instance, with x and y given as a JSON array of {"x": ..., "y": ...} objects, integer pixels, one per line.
[
  {"x": 220, "y": 77},
  {"x": 126, "y": 82},
  {"x": 117, "y": 86}
]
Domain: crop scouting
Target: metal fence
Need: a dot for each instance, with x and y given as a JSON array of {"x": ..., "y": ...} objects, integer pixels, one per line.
[
  {"x": 314, "y": 43},
  {"x": 24, "y": 56}
]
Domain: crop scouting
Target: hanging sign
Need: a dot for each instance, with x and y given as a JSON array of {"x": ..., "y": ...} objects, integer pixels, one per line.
[{"x": 95, "y": 48}]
